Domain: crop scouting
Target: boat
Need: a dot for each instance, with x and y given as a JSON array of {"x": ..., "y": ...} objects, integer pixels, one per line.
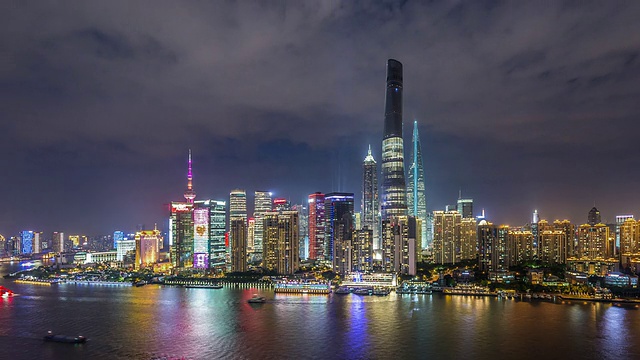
[
  {"x": 65, "y": 339},
  {"x": 342, "y": 291},
  {"x": 381, "y": 292},
  {"x": 5, "y": 293},
  {"x": 140, "y": 283},
  {"x": 257, "y": 299},
  {"x": 363, "y": 291},
  {"x": 204, "y": 286}
]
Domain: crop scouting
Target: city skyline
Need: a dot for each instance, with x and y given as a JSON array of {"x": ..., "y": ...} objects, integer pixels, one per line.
[{"x": 102, "y": 112}]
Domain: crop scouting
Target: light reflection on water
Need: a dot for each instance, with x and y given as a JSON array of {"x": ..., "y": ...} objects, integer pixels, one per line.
[{"x": 138, "y": 323}]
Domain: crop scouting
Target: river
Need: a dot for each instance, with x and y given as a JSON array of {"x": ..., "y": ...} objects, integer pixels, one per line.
[{"x": 151, "y": 321}]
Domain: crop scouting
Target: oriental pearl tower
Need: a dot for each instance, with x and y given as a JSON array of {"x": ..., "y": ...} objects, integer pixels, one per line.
[{"x": 189, "y": 194}]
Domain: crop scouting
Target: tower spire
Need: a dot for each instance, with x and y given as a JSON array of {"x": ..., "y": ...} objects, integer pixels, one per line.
[{"x": 189, "y": 194}]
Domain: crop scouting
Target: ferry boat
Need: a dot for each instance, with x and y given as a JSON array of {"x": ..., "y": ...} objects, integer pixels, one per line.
[
  {"x": 65, "y": 339},
  {"x": 342, "y": 291},
  {"x": 203, "y": 286},
  {"x": 364, "y": 291},
  {"x": 294, "y": 287},
  {"x": 381, "y": 292}
]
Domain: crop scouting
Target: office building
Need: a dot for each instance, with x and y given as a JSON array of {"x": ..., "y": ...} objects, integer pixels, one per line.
[
  {"x": 416, "y": 191},
  {"x": 394, "y": 202},
  {"x": 465, "y": 207},
  {"x": 594, "y": 217},
  {"x": 147, "y": 245},
  {"x": 237, "y": 204},
  {"x": 303, "y": 220},
  {"x": 362, "y": 250},
  {"x": 238, "y": 232},
  {"x": 316, "y": 226},
  {"x": 117, "y": 236},
  {"x": 26, "y": 242},
  {"x": 210, "y": 216},
  {"x": 370, "y": 199},
  {"x": 58, "y": 242},
  {"x": 338, "y": 229},
  {"x": 262, "y": 204}
]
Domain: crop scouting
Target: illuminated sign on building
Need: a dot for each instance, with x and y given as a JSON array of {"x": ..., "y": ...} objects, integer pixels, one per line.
[
  {"x": 200, "y": 260},
  {"x": 180, "y": 207},
  {"x": 200, "y": 231}
]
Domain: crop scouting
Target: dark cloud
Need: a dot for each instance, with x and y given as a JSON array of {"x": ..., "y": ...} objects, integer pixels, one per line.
[{"x": 521, "y": 105}]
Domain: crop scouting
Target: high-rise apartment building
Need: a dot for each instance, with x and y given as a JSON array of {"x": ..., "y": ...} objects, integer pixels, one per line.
[
  {"x": 629, "y": 242},
  {"x": 594, "y": 242},
  {"x": 446, "y": 237},
  {"x": 338, "y": 229},
  {"x": 281, "y": 241},
  {"x": 261, "y": 204},
  {"x": 316, "y": 226},
  {"x": 468, "y": 238},
  {"x": 416, "y": 193},
  {"x": 362, "y": 250},
  {"x": 520, "y": 247},
  {"x": 394, "y": 202},
  {"x": 552, "y": 247},
  {"x": 620, "y": 219},
  {"x": 251, "y": 228},
  {"x": 370, "y": 200},
  {"x": 492, "y": 247},
  {"x": 399, "y": 238}
]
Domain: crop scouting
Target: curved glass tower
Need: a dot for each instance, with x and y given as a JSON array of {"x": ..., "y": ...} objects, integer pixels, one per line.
[
  {"x": 394, "y": 190},
  {"x": 416, "y": 196}
]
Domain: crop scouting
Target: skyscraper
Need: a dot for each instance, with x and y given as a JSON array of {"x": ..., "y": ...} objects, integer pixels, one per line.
[
  {"x": 237, "y": 204},
  {"x": 27, "y": 242},
  {"x": 261, "y": 204},
  {"x": 338, "y": 229},
  {"x": 316, "y": 226},
  {"x": 594, "y": 217},
  {"x": 465, "y": 207},
  {"x": 281, "y": 241},
  {"x": 211, "y": 222},
  {"x": 370, "y": 200},
  {"x": 394, "y": 202},
  {"x": 416, "y": 195},
  {"x": 238, "y": 231}
]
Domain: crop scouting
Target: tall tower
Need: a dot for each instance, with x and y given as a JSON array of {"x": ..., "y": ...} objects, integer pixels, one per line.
[
  {"x": 189, "y": 194},
  {"x": 370, "y": 200},
  {"x": 416, "y": 196},
  {"x": 394, "y": 201}
]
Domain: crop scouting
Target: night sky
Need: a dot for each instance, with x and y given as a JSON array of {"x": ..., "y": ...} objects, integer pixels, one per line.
[{"x": 521, "y": 105}]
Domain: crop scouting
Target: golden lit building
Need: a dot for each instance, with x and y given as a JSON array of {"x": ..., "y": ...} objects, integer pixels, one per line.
[
  {"x": 594, "y": 242},
  {"x": 552, "y": 247},
  {"x": 519, "y": 247},
  {"x": 468, "y": 239},
  {"x": 281, "y": 241},
  {"x": 629, "y": 242},
  {"x": 147, "y": 245},
  {"x": 446, "y": 237},
  {"x": 238, "y": 244}
]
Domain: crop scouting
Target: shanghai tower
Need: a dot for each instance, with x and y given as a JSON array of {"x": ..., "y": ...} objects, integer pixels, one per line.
[{"x": 394, "y": 190}]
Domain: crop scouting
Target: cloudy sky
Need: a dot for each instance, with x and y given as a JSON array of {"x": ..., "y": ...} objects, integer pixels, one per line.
[{"x": 523, "y": 106}]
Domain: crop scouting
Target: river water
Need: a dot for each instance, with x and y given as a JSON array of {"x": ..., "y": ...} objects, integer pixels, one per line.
[{"x": 151, "y": 321}]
